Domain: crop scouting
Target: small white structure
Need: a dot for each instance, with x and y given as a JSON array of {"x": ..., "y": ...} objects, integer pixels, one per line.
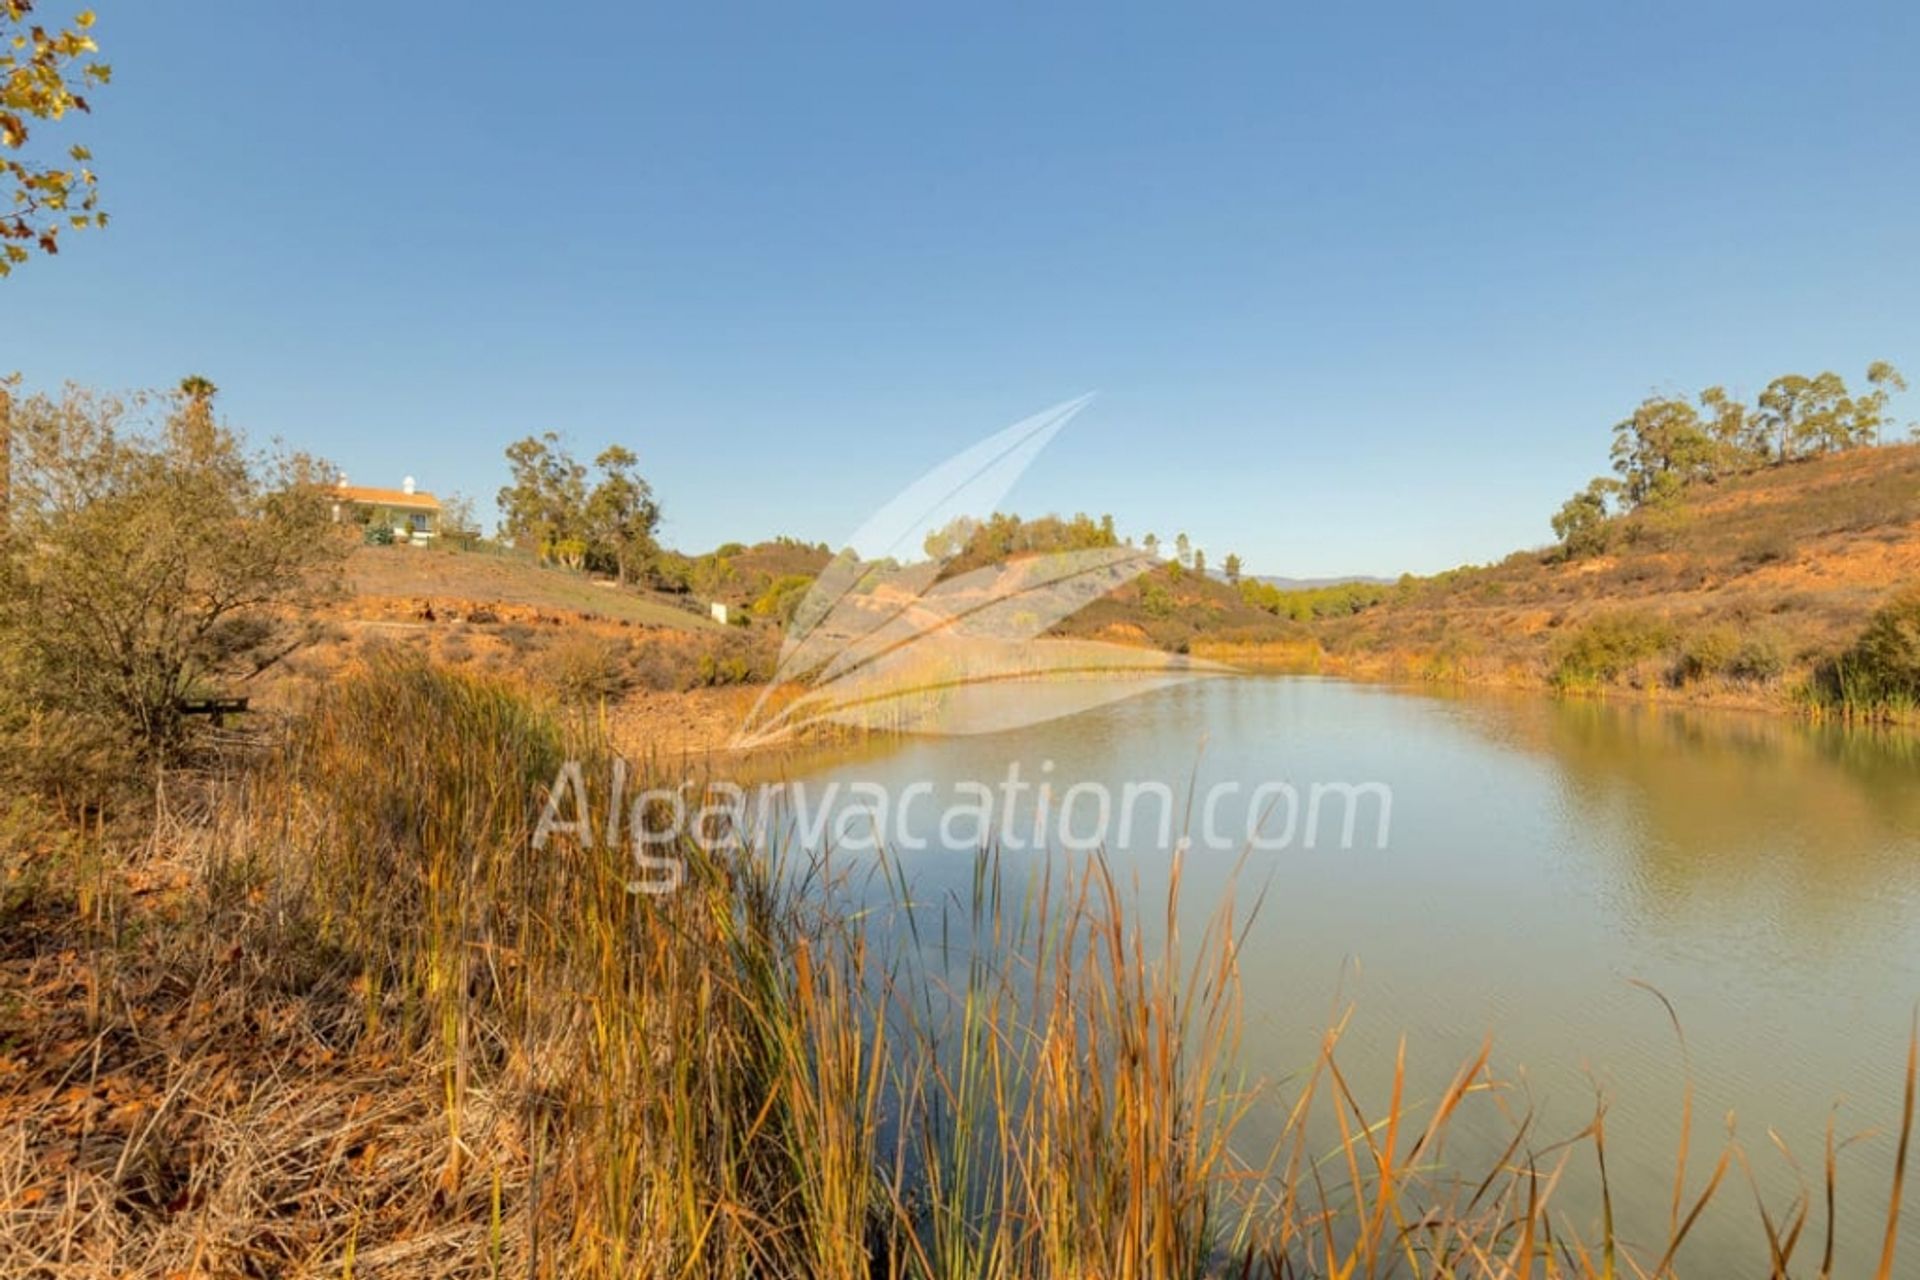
[{"x": 719, "y": 612}]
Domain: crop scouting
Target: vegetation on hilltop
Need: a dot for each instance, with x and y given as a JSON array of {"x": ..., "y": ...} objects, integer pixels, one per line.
[
  {"x": 548, "y": 508},
  {"x": 1670, "y": 444},
  {"x": 1739, "y": 553}
]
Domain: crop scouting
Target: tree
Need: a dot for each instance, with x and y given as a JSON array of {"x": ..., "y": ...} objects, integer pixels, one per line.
[
  {"x": 1737, "y": 441},
  {"x": 147, "y": 563},
  {"x": 1200, "y": 562},
  {"x": 1807, "y": 416},
  {"x": 544, "y": 509},
  {"x": 1581, "y": 525},
  {"x": 1660, "y": 450},
  {"x": 1183, "y": 549},
  {"x": 1231, "y": 567},
  {"x": 621, "y": 515},
  {"x": 950, "y": 539},
  {"x": 196, "y": 414},
  {"x": 458, "y": 521},
  {"x": 1871, "y": 410},
  {"x": 781, "y": 600},
  {"x": 1151, "y": 543},
  {"x": 44, "y": 74}
]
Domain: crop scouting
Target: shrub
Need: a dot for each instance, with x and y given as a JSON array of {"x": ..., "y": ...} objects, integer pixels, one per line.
[
  {"x": 583, "y": 668},
  {"x": 1759, "y": 660},
  {"x": 377, "y": 535},
  {"x": 1880, "y": 676},
  {"x": 1706, "y": 654},
  {"x": 1157, "y": 601},
  {"x": 722, "y": 669},
  {"x": 1770, "y": 547},
  {"x": 521, "y": 639},
  {"x": 148, "y": 560},
  {"x": 456, "y": 648},
  {"x": 783, "y": 596},
  {"x": 1606, "y": 649},
  {"x": 1890, "y": 648}
]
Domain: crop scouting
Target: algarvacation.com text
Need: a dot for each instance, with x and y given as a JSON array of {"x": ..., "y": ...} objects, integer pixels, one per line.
[{"x": 1018, "y": 813}]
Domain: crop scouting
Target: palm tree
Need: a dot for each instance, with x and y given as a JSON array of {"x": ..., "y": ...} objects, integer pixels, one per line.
[{"x": 197, "y": 415}]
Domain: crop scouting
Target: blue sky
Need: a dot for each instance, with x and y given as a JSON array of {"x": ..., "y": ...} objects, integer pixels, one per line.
[{"x": 1359, "y": 293}]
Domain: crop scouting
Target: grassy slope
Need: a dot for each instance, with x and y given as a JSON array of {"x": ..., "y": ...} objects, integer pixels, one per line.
[
  {"x": 446, "y": 578},
  {"x": 1794, "y": 559},
  {"x": 1788, "y": 563},
  {"x": 669, "y": 677},
  {"x": 1174, "y": 610}
]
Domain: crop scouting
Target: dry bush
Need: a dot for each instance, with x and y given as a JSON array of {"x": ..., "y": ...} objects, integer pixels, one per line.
[{"x": 583, "y": 668}]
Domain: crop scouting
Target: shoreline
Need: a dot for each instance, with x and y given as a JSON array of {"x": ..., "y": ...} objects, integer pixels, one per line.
[{"x": 1786, "y": 699}]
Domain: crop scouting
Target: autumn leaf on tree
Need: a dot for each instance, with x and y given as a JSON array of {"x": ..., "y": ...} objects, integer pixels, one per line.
[{"x": 45, "y": 72}]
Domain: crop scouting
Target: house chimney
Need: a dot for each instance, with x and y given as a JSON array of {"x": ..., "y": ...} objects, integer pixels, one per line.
[
  {"x": 342, "y": 481},
  {"x": 406, "y": 486}
]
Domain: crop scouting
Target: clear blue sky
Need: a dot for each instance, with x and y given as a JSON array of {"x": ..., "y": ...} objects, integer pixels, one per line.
[{"x": 1358, "y": 292}]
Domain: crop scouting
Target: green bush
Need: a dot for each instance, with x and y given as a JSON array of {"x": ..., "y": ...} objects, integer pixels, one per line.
[
  {"x": 1606, "y": 649},
  {"x": 1759, "y": 661},
  {"x": 1890, "y": 648},
  {"x": 1880, "y": 676},
  {"x": 1723, "y": 652},
  {"x": 1707, "y": 654},
  {"x": 783, "y": 596},
  {"x": 1156, "y": 600},
  {"x": 377, "y": 535}
]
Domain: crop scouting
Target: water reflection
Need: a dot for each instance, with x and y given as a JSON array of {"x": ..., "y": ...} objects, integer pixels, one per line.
[
  {"x": 1730, "y": 823},
  {"x": 1762, "y": 873}
]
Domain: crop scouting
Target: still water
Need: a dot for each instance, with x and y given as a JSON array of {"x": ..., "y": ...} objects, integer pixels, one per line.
[{"x": 1542, "y": 855}]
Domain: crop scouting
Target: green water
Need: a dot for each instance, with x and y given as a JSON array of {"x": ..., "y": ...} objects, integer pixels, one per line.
[{"x": 1542, "y": 855}]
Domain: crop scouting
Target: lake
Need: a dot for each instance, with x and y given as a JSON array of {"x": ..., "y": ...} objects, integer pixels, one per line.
[{"x": 1539, "y": 858}]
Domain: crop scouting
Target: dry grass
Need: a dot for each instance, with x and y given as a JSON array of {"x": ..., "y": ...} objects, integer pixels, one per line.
[
  {"x": 1792, "y": 562},
  {"x": 385, "y": 579},
  {"x": 335, "y": 1015}
]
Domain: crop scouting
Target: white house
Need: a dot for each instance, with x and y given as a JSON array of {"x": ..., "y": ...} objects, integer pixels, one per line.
[{"x": 413, "y": 515}]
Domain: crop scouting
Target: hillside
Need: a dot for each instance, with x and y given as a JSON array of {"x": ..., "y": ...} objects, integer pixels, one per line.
[
  {"x": 1742, "y": 590},
  {"x": 400, "y": 580}
]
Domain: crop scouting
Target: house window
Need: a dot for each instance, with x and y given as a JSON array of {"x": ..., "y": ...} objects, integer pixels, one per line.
[{"x": 417, "y": 522}]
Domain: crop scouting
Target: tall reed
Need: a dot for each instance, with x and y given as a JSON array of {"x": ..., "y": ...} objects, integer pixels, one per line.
[{"x": 783, "y": 1070}]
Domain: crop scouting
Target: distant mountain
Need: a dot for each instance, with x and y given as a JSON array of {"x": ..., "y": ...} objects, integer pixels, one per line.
[{"x": 1308, "y": 584}]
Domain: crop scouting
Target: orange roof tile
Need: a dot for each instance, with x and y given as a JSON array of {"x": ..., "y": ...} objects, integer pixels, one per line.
[{"x": 386, "y": 497}]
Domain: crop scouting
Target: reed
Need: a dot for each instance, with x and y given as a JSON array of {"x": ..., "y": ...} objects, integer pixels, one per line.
[{"x": 782, "y": 1069}]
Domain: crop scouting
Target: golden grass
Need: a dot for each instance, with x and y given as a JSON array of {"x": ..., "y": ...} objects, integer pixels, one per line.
[{"x": 379, "y": 1033}]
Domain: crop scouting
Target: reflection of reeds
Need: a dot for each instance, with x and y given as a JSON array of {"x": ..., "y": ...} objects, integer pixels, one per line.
[
  {"x": 775, "y": 1072},
  {"x": 1850, "y": 690}
]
